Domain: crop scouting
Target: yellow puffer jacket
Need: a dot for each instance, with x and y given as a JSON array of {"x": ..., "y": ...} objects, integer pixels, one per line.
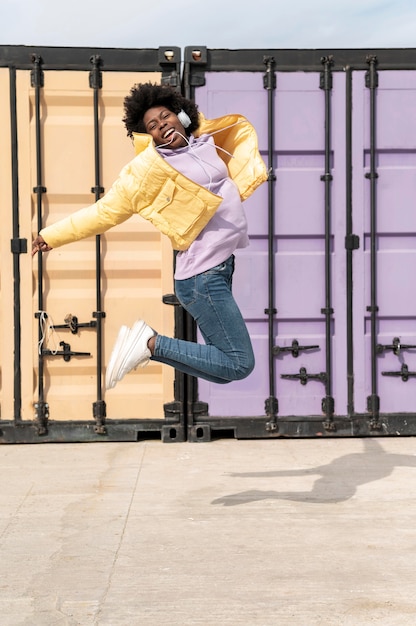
[{"x": 151, "y": 187}]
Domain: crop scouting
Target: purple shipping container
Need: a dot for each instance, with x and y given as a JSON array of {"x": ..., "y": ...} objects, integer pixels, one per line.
[{"x": 326, "y": 297}]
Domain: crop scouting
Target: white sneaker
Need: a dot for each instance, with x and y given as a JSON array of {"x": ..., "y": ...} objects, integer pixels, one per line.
[
  {"x": 136, "y": 353},
  {"x": 116, "y": 356},
  {"x": 130, "y": 351}
]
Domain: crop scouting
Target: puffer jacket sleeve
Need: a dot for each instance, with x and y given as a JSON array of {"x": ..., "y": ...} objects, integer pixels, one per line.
[
  {"x": 113, "y": 208},
  {"x": 238, "y": 138}
]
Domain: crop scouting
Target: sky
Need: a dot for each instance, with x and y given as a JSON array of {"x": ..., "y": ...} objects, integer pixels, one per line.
[{"x": 229, "y": 24}]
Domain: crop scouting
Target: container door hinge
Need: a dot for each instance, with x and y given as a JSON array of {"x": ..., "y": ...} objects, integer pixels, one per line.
[
  {"x": 171, "y": 299},
  {"x": 171, "y": 79},
  {"x": 196, "y": 55},
  {"x": 199, "y": 408},
  {"x": 173, "y": 411},
  {"x": 169, "y": 60},
  {"x": 18, "y": 245},
  {"x": 197, "y": 80}
]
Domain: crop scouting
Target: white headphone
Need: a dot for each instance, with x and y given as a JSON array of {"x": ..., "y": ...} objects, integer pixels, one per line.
[{"x": 184, "y": 118}]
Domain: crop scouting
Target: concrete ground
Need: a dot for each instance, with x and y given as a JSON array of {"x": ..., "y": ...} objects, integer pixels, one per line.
[{"x": 261, "y": 532}]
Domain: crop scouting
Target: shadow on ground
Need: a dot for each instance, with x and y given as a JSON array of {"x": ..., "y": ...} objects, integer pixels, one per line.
[{"x": 337, "y": 481}]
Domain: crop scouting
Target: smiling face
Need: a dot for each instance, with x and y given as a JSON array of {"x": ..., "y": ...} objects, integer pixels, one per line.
[{"x": 164, "y": 127}]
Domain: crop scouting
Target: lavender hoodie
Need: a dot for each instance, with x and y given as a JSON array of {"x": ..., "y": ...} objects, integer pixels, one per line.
[{"x": 227, "y": 229}]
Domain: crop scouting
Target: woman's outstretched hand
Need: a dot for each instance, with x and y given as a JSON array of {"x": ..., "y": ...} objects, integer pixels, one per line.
[{"x": 40, "y": 245}]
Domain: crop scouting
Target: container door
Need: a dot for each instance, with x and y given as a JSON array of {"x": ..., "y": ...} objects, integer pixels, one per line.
[
  {"x": 306, "y": 249},
  {"x": 64, "y": 145},
  {"x": 136, "y": 259},
  {"x": 385, "y": 218}
]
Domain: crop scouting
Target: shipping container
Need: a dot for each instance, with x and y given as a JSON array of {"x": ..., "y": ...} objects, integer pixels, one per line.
[
  {"x": 324, "y": 286},
  {"x": 63, "y": 144}
]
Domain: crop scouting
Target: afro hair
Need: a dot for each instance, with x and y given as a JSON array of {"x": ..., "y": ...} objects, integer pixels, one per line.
[{"x": 144, "y": 96}]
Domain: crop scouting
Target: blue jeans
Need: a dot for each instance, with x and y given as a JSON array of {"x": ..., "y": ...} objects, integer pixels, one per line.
[{"x": 227, "y": 354}]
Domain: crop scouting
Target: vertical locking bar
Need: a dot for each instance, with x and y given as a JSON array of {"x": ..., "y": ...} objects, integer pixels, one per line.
[
  {"x": 17, "y": 391},
  {"x": 99, "y": 406},
  {"x": 371, "y": 81},
  {"x": 37, "y": 81},
  {"x": 195, "y": 61},
  {"x": 170, "y": 62},
  {"x": 195, "y": 407},
  {"x": 271, "y": 404},
  {"x": 349, "y": 249},
  {"x": 326, "y": 85},
  {"x": 174, "y": 411}
]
